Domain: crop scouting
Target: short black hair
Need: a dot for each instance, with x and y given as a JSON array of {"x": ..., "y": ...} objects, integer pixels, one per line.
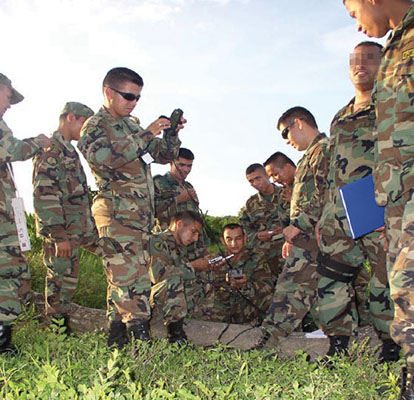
[
  {"x": 231, "y": 225},
  {"x": 185, "y": 153},
  {"x": 297, "y": 112},
  {"x": 187, "y": 216},
  {"x": 370, "y": 43},
  {"x": 117, "y": 76},
  {"x": 279, "y": 160},
  {"x": 254, "y": 167}
]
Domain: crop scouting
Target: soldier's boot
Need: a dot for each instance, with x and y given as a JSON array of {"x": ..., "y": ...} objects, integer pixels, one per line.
[
  {"x": 390, "y": 351},
  {"x": 266, "y": 342},
  {"x": 117, "y": 334},
  {"x": 176, "y": 333},
  {"x": 139, "y": 332},
  {"x": 338, "y": 345},
  {"x": 5, "y": 340},
  {"x": 407, "y": 384}
]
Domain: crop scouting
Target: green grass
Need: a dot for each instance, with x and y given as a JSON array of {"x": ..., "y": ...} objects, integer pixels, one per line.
[{"x": 54, "y": 366}]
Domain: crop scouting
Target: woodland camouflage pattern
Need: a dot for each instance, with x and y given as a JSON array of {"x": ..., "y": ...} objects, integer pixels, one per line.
[
  {"x": 62, "y": 212},
  {"x": 167, "y": 188},
  {"x": 177, "y": 290},
  {"x": 258, "y": 215},
  {"x": 13, "y": 268},
  {"x": 351, "y": 151},
  {"x": 124, "y": 207},
  {"x": 249, "y": 303},
  {"x": 394, "y": 174}
]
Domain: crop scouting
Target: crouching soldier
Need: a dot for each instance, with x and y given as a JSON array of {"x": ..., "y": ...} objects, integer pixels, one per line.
[
  {"x": 177, "y": 291},
  {"x": 244, "y": 284},
  {"x": 63, "y": 211}
]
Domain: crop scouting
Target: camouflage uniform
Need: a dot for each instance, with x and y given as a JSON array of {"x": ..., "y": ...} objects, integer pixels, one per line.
[
  {"x": 124, "y": 206},
  {"x": 266, "y": 213},
  {"x": 351, "y": 148},
  {"x": 296, "y": 289},
  {"x": 249, "y": 303},
  {"x": 12, "y": 263},
  {"x": 62, "y": 213},
  {"x": 167, "y": 188},
  {"x": 177, "y": 291},
  {"x": 394, "y": 173}
]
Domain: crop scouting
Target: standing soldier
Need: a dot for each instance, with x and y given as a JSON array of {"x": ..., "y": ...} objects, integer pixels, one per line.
[
  {"x": 174, "y": 193},
  {"x": 296, "y": 289},
  {"x": 351, "y": 151},
  {"x": 264, "y": 216},
  {"x": 394, "y": 172},
  {"x": 119, "y": 152},
  {"x": 63, "y": 211},
  {"x": 12, "y": 263}
]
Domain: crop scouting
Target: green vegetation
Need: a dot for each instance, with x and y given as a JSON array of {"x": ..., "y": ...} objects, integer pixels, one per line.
[{"x": 54, "y": 366}]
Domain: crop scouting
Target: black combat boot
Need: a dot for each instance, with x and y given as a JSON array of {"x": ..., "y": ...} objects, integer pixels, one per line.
[
  {"x": 338, "y": 345},
  {"x": 5, "y": 340},
  {"x": 139, "y": 331},
  {"x": 407, "y": 385},
  {"x": 390, "y": 351},
  {"x": 176, "y": 333},
  {"x": 117, "y": 334}
]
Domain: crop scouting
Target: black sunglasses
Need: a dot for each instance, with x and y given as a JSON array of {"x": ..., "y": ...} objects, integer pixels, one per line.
[
  {"x": 127, "y": 96},
  {"x": 285, "y": 131}
]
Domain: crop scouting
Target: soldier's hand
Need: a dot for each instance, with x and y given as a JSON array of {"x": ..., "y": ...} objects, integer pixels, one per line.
[
  {"x": 265, "y": 236},
  {"x": 181, "y": 124},
  {"x": 238, "y": 283},
  {"x": 63, "y": 249},
  {"x": 46, "y": 142},
  {"x": 201, "y": 264},
  {"x": 286, "y": 250},
  {"x": 159, "y": 125},
  {"x": 287, "y": 193},
  {"x": 217, "y": 265},
  {"x": 186, "y": 195},
  {"x": 290, "y": 232}
]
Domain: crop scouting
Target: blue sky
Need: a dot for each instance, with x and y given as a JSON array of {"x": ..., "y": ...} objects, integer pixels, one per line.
[{"x": 233, "y": 66}]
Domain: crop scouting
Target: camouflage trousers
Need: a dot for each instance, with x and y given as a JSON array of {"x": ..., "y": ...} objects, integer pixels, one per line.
[
  {"x": 125, "y": 261},
  {"x": 62, "y": 275},
  {"x": 399, "y": 221},
  {"x": 176, "y": 297},
  {"x": 295, "y": 292},
  {"x": 342, "y": 260},
  {"x": 273, "y": 253}
]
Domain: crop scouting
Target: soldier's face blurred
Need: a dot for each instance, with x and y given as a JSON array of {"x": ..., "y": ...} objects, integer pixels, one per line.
[
  {"x": 5, "y": 96},
  {"x": 369, "y": 16},
  {"x": 76, "y": 126},
  {"x": 279, "y": 175},
  {"x": 234, "y": 240},
  {"x": 363, "y": 66},
  {"x": 259, "y": 180},
  {"x": 181, "y": 167},
  {"x": 117, "y": 105},
  {"x": 188, "y": 233}
]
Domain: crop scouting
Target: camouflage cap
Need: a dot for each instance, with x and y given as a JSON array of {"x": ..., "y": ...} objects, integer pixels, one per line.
[
  {"x": 16, "y": 97},
  {"x": 79, "y": 109}
]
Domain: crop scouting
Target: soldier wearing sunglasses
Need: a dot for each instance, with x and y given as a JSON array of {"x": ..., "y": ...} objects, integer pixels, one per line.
[{"x": 119, "y": 152}]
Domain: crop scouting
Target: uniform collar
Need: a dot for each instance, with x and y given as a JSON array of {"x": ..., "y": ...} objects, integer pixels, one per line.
[
  {"x": 406, "y": 22},
  {"x": 61, "y": 139}
]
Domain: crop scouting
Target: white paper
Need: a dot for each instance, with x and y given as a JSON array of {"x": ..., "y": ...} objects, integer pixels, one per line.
[
  {"x": 316, "y": 335},
  {"x": 21, "y": 226},
  {"x": 147, "y": 158}
]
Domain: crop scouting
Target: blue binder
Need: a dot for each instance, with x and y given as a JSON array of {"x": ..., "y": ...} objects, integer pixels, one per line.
[{"x": 362, "y": 212}]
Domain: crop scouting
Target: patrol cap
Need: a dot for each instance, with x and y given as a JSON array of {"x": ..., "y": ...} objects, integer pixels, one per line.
[
  {"x": 79, "y": 109},
  {"x": 16, "y": 97}
]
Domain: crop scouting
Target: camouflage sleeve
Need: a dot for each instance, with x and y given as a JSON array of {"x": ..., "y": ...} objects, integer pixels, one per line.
[
  {"x": 259, "y": 281},
  {"x": 47, "y": 197},
  {"x": 166, "y": 149},
  {"x": 306, "y": 216},
  {"x": 248, "y": 226},
  {"x": 165, "y": 200},
  {"x": 13, "y": 149},
  {"x": 105, "y": 149}
]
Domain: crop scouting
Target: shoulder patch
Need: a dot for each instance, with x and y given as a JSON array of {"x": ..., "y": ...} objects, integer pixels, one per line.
[{"x": 52, "y": 161}]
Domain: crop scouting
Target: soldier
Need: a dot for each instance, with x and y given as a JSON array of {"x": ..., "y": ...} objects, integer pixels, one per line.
[
  {"x": 12, "y": 263},
  {"x": 173, "y": 193},
  {"x": 351, "y": 150},
  {"x": 394, "y": 173},
  {"x": 241, "y": 299},
  {"x": 119, "y": 152},
  {"x": 295, "y": 293},
  {"x": 176, "y": 291},
  {"x": 264, "y": 216},
  {"x": 62, "y": 211}
]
